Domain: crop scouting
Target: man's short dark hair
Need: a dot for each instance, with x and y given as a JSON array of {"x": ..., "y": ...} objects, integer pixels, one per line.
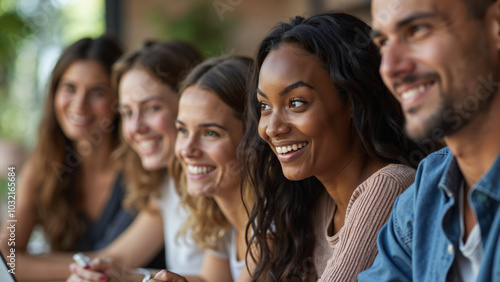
[{"x": 477, "y": 8}]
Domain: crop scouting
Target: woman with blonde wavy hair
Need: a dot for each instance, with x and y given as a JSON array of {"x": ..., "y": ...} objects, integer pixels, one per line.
[{"x": 210, "y": 127}]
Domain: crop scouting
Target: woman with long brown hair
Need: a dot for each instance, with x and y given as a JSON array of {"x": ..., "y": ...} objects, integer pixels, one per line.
[{"x": 70, "y": 185}]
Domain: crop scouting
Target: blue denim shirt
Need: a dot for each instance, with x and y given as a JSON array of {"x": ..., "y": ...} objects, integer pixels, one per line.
[{"x": 418, "y": 242}]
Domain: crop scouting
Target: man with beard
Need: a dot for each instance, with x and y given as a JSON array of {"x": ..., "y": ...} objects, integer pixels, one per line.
[{"x": 440, "y": 58}]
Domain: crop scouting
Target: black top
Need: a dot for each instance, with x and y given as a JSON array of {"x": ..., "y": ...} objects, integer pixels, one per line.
[{"x": 113, "y": 221}]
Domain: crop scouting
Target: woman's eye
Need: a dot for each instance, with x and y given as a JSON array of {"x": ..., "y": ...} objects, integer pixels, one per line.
[
  {"x": 97, "y": 93},
  {"x": 264, "y": 107},
  {"x": 153, "y": 108},
  {"x": 69, "y": 88},
  {"x": 212, "y": 133},
  {"x": 295, "y": 103},
  {"x": 181, "y": 130},
  {"x": 125, "y": 113}
]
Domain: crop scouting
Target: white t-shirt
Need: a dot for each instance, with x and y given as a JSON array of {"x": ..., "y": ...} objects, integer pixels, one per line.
[
  {"x": 468, "y": 258},
  {"x": 183, "y": 256},
  {"x": 229, "y": 252}
]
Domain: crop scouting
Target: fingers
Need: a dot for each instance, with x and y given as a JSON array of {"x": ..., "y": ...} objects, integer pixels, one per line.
[
  {"x": 79, "y": 274},
  {"x": 164, "y": 275},
  {"x": 161, "y": 276},
  {"x": 102, "y": 264},
  {"x": 74, "y": 278}
]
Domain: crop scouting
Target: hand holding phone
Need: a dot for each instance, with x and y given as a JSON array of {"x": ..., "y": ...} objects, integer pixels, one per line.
[{"x": 81, "y": 259}]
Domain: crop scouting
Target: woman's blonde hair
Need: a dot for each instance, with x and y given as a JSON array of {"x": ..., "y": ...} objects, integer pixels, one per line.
[{"x": 168, "y": 62}]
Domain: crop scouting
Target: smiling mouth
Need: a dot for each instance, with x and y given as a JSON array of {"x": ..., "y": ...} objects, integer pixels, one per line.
[
  {"x": 197, "y": 170},
  {"x": 79, "y": 119},
  {"x": 148, "y": 146},
  {"x": 413, "y": 92},
  {"x": 289, "y": 148}
]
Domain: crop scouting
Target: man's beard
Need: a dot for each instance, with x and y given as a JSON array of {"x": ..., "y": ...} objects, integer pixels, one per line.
[{"x": 446, "y": 120}]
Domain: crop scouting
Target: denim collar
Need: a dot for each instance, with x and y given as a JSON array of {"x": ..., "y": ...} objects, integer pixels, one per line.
[
  {"x": 490, "y": 182},
  {"x": 451, "y": 180}
]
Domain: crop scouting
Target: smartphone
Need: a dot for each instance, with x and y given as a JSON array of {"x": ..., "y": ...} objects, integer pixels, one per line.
[{"x": 81, "y": 259}]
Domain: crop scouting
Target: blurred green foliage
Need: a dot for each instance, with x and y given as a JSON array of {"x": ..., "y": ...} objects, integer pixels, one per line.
[
  {"x": 199, "y": 26},
  {"x": 3, "y": 187},
  {"x": 84, "y": 18},
  {"x": 12, "y": 26},
  {"x": 27, "y": 30}
]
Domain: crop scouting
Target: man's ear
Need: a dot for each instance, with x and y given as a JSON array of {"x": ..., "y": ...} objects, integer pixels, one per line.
[{"x": 493, "y": 21}]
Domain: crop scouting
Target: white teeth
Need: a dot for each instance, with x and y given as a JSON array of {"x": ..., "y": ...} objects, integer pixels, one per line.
[
  {"x": 147, "y": 145},
  {"x": 199, "y": 169},
  {"x": 79, "y": 119},
  {"x": 410, "y": 93},
  {"x": 286, "y": 149}
]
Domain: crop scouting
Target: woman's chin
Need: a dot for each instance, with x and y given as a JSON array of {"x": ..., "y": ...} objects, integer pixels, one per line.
[
  {"x": 293, "y": 176},
  {"x": 200, "y": 192},
  {"x": 152, "y": 165}
]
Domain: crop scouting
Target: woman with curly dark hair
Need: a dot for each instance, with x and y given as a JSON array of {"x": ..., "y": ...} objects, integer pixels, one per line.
[{"x": 323, "y": 150}]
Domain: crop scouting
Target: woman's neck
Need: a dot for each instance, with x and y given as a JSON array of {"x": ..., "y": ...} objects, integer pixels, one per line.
[
  {"x": 341, "y": 184},
  {"x": 93, "y": 157},
  {"x": 233, "y": 209}
]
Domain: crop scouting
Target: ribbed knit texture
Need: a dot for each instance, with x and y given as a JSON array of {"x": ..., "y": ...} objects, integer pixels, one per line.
[{"x": 354, "y": 247}]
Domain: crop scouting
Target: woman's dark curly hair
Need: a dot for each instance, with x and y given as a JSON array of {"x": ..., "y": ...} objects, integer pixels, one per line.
[{"x": 282, "y": 239}]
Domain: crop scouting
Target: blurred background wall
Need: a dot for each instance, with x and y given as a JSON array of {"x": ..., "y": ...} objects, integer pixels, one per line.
[
  {"x": 235, "y": 25},
  {"x": 34, "y": 32}
]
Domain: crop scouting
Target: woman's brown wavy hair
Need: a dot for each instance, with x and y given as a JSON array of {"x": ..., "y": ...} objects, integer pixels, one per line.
[
  {"x": 55, "y": 160},
  {"x": 281, "y": 217},
  {"x": 168, "y": 62},
  {"x": 227, "y": 77}
]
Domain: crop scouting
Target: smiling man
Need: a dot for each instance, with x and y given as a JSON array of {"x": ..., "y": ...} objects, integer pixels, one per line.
[{"x": 440, "y": 59}]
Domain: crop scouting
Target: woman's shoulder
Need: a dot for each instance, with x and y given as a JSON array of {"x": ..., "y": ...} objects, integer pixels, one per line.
[
  {"x": 381, "y": 188},
  {"x": 395, "y": 174},
  {"x": 27, "y": 176},
  {"x": 390, "y": 178}
]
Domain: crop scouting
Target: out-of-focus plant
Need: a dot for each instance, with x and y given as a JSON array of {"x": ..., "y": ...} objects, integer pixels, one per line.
[
  {"x": 200, "y": 26},
  {"x": 32, "y": 34},
  {"x": 14, "y": 28},
  {"x": 11, "y": 25}
]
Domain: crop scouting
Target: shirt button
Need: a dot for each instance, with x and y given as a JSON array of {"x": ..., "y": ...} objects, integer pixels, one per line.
[
  {"x": 481, "y": 197},
  {"x": 450, "y": 249}
]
